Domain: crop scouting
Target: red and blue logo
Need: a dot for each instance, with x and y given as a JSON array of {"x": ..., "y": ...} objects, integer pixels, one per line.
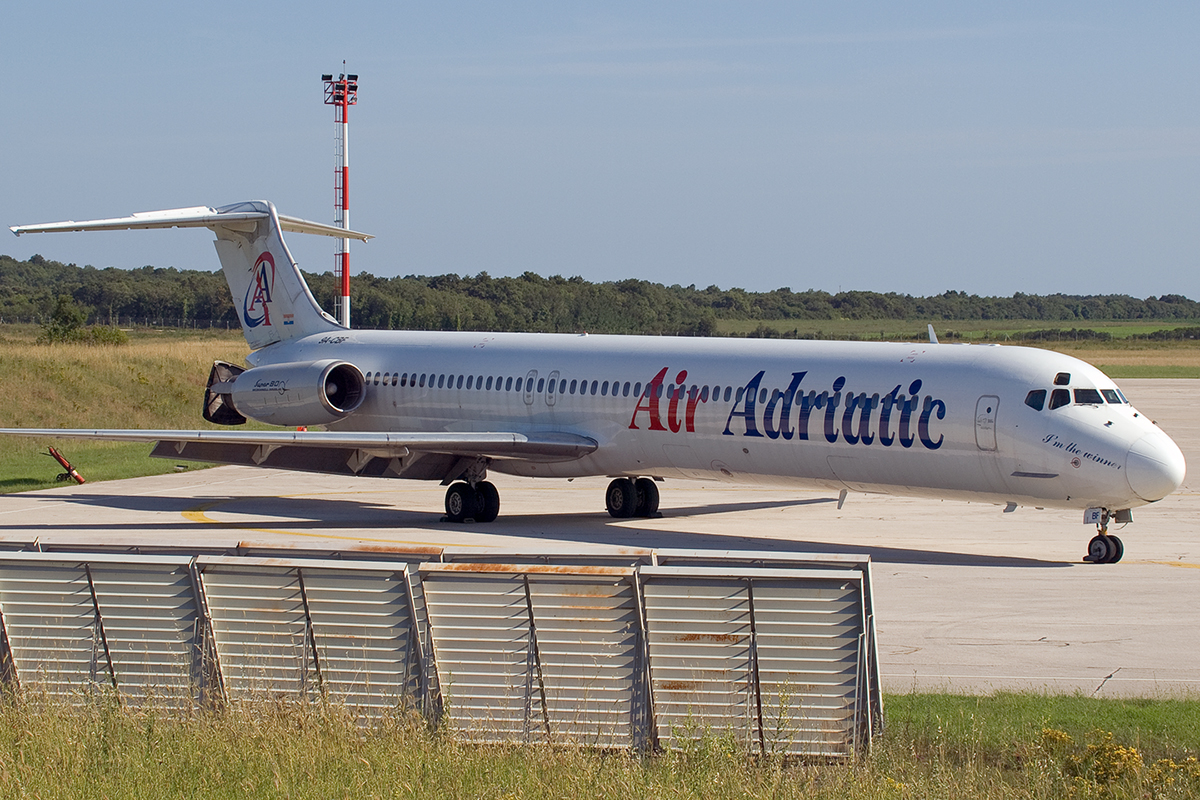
[{"x": 256, "y": 307}]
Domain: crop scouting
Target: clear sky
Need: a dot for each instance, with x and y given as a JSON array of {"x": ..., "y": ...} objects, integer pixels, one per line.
[{"x": 991, "y": 148}]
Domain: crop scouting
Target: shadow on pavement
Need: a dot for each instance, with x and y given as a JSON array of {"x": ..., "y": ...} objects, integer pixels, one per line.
[{"x": 311, "y": 515}]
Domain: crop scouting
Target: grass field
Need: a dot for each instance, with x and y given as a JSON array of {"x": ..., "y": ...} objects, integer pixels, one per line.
[
  {"x": 157, "y": 381},
  {"x": 1150, "y": 360},
  {"x": 936, "y": 746},
  {"x": 1120, "y": 357},
  {"x": 968, "y": 330}
]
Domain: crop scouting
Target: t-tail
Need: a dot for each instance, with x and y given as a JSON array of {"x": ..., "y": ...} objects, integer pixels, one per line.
[{"x": 271, "y": 298}]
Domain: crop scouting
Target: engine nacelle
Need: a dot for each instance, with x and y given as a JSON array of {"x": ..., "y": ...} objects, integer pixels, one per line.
[{"x": 306, "y": 393}]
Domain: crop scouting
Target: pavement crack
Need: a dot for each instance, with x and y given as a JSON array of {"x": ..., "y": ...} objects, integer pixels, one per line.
[{"x": 1101, "y": 686}]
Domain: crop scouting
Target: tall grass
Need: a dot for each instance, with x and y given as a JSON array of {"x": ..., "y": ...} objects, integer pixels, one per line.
[
  {"x": 938, "y": 747},
  {"x": 1150, "y": 360},
  {"x": 153, "y": 382},
  {"x": 156, "y": 381}
]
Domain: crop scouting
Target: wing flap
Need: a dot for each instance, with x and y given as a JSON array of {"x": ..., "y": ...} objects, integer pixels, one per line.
[
  {"x": 541, "y": 446},
  {"x": 324, "y": 460}
]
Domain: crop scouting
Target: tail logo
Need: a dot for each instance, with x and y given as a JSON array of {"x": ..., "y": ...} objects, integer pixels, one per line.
[{"x": 256, "y": 308}]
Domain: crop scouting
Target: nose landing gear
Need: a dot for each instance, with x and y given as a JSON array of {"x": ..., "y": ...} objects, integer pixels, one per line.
[{"x": 1104, "y": 548}]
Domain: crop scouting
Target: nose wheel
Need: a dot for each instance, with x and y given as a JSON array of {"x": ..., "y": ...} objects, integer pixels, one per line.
[{"x": 1104, "y": 548}]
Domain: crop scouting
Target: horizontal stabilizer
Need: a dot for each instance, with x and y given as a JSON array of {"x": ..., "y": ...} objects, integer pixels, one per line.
[{"x": 195, "y": 217}]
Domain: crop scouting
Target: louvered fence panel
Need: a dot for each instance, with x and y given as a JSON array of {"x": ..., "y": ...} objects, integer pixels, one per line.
[
  {"x": 148, "y": 610},
  {"x": 832, "y": 567},
  {"x": 50, "y": 623},
  {"x": 482, "y": 645},
  {"x": 809, "y": 648},
  {"x": 698, "y": 631},
  {"x": 362, "y": 625},
  {"x": 588, "y": 645},
  {"x": 260, "y": 630}
]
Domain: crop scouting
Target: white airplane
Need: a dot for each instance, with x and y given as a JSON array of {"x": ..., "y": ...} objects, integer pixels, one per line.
[{"x": 1008, "y": 425}]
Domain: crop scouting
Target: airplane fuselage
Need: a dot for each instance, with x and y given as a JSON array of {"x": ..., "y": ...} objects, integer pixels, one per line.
[{"x": 936, "y": 420}]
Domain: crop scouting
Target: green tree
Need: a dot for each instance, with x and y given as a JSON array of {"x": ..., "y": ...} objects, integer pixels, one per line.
[{"x": 65, "y": 323}]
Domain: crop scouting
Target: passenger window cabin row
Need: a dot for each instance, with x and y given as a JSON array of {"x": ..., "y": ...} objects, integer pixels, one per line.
[
  {"x": 1036, "y": 399},
  {"x": 500, "y": 383}
]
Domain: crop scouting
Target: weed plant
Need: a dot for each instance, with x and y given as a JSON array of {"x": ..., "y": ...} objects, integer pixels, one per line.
[{"x": 936, "y": 746}]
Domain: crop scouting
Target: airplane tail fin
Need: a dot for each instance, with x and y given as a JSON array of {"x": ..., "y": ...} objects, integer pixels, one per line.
[{"x": 270, "y": 295}]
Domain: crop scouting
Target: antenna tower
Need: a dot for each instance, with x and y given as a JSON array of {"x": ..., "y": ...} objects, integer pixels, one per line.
[{"x": 341, "y": 93}]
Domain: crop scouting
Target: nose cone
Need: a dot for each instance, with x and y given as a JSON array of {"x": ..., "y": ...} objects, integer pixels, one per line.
[{"x": 1154, "y": 466}]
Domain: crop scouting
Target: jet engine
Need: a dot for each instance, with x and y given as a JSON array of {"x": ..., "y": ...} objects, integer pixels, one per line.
[{"x": 299, "y": 393}]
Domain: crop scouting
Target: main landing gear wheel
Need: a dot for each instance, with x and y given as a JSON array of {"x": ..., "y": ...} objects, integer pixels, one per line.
[
  {"x": 647, "y": 497},
  {"x": 481, "y": 503},
  {"x": 1104, "y": 549},
  {"x": 489, "y": 502},
  {"x": 462, "y": 502},
  {"x": 629, "y": 498},
  {"x": 621, "y": 498}
]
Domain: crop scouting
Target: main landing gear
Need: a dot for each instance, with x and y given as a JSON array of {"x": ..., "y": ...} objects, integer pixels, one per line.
[
  {"x": 480, "y": 502},
  {"x": 626, "y": 497},
  {"x": 1105, "y": 548}
]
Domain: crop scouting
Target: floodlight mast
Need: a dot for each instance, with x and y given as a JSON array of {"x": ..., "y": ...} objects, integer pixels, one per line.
[{"x": 341, "y": 94}]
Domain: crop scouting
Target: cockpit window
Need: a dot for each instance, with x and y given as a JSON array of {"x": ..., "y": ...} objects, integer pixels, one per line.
[
  {"x": 1088, "y": 397},
  {"x": 1036, "y": 399},
  {"x": 1062, "y": 379},
  {"x": 1111, "y": 396},
  {"x": 1059, "y": 398}
]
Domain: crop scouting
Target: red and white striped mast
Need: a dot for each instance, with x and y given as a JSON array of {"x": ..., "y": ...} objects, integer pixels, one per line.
[{"x": 341, "y": 94}]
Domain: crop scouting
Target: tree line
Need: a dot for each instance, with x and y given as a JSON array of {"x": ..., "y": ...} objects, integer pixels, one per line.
[{"x": 30, "y": 291}]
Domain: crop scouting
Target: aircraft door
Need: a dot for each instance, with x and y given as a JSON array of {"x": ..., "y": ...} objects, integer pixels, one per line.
[
  {"x": 985, "y": 421},
  {"x": 529, "y": 386},
  {"x": 552, "y": 388}
]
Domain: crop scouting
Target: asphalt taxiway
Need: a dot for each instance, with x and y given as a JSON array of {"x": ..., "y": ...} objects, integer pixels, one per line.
[{"x": 968, "y": 598}]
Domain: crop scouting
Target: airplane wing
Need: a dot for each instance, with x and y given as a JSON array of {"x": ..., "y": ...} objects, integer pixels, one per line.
[{"x": 392, "y": 455}]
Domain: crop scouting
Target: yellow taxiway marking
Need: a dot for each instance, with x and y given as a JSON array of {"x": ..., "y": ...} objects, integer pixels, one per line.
[
  {"x": 198, "y": 514},
  {"x": 1182, "y": 564}
]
